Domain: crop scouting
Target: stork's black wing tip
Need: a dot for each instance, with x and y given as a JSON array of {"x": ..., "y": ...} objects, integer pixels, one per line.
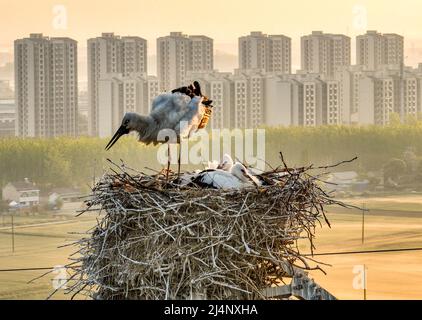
[
  {"x": 207, "y": 103},
  {"x": 197, "y": 88}
]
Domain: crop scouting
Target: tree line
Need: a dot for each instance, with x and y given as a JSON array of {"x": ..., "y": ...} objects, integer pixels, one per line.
[{"x": 76, "y": 161}]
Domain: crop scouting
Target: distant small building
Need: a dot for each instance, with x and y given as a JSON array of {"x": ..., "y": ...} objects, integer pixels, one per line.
[
  {"x": 65, "y": 194},
  {"x": 347, "y": 180},
  {"x": 7, "y": 124},
  {"x": 24, "y": 193},
  {"x": 346, "y": 177},
  {"x": 7, "y": 118}
]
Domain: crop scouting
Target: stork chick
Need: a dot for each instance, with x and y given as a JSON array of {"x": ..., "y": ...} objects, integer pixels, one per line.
[{"x": 237, "y": 178}]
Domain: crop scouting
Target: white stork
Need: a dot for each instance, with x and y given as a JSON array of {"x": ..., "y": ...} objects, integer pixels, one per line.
[
  {"x": 226, "y": 163},
  {"x": 180, "y": 111},
  {"x": 237, "y": 178},
  {"x": 212, "y": 165}
]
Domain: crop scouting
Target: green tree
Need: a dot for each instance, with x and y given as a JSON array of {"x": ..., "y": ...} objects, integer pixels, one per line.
[
  {"x": 4, "y": 206},
  {"x": 57, "y": 169},
  {"x": 73, "y": 162},
  {"x": 393, "y": 169},
  {"x": 411, "y": 120},
  {"x": 394, "y": 119}
]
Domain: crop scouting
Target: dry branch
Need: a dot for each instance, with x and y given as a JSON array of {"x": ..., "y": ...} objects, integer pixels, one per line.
[{"x": 157, "y": 240}]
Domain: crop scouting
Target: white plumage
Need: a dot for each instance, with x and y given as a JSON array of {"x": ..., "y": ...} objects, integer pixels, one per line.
[
  {"x": 226, "y": 163},
  {"x": 212, "y": 165},
  {"x": 174, "y": 111},
  {"x": 181, "y": 113},
  {"x": 237, "y": 178}
]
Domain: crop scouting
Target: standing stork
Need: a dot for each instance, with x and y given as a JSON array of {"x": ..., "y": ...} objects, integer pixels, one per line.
[{"x": 185, "y": 110}]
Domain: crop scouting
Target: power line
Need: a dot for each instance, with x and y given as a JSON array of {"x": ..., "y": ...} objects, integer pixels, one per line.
[
  {"x": 363, "y": 252},
  {"x": 306, "y": 255},
  {"x": 26, "y": 269}
]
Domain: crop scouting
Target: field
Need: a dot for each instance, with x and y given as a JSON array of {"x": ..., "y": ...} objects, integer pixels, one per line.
[
  {"x": 411, "y": 203},
  {"x": 389, "y": 275}
]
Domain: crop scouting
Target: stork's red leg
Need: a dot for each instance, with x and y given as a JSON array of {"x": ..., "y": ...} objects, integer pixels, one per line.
[
  {"x": 179, "y": 161},
  {"x": 168, "y": 162}
]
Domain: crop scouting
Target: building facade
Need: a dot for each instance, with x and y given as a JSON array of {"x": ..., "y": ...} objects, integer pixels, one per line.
[
  {"x": 119, "y": 94},
  {"x": 324, "y": 53},
  {"x": 373, "y": 50},
  {"x": 22, "y": 193},
  {"x": 202, "y": 56},
  {"x": 7, "y": 118},
  {"x": 302, "y": 100},
  {"x": 111, "y": 54},
  {"x": 249, "y": 99},
  {"x": 46, "y": 86},
  {"x": 259, "y": 51},
  {"x": 7, "y": 124},
  {"x": 369, "y": 97},
  {"x": 219, "y": 87},
  {"x": 177, "y": 54}
]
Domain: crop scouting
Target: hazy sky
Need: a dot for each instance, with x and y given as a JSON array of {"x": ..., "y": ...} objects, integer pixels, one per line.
[{"x": 223, "y": 20}]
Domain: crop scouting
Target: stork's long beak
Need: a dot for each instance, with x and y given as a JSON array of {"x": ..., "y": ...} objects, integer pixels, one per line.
[{"x": 120, "y": 132}]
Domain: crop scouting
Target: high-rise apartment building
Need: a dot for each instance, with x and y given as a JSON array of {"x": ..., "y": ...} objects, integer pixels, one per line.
[
  {"x": 394, "y": 49},
  {"x": 283, "y": 97},
  {"x": 178, "y": 54},
  {"x": 46, "y": 86},
  {"x": 379, "y": 98},
  {"x": 266, "y": 53},
  {"x": 219, "y": 87},
  {"x": 313, "y": 99},
  {"x": 324, "y": 53},
  {"x": 202, "y": 56},
  {"x": 331, "y": 110},
  {"x": 373, "y": 50},
  {"x": 349, "y": 91},
  {"x": 249, "y": 99},
  {"x": 110, "y": 54},
  {"x": 302, "y": 99},
  {"x": 384, "y": 92},
  {"x": 119, "y": 94}
]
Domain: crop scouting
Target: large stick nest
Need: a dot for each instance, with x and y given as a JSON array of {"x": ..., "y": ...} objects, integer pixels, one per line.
[{"x": 158, "y": 241}]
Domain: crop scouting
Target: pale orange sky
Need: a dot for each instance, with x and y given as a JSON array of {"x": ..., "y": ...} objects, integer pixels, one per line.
[{"x": 223, "y": 20}]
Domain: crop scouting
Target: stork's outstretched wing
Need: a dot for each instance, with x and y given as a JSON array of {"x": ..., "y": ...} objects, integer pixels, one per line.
[
  {"x": 190, "y": 121},
  {"x": 177, "y": 111},
  {"x": 169, "y": 108}
]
